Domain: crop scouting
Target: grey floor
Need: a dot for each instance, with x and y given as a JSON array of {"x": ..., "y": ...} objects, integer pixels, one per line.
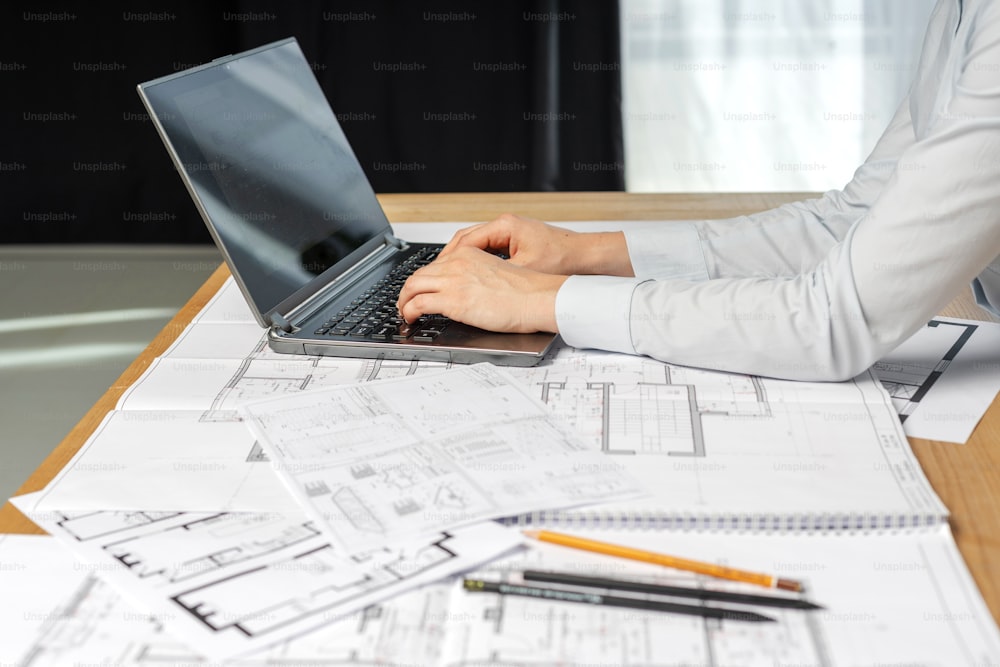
[{"x": 72, "y": 318}]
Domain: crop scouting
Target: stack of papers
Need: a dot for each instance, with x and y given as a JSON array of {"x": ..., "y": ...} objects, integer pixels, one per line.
[
  {"x": 394, "y": 483},
  {"x": 251, "y": 508}
]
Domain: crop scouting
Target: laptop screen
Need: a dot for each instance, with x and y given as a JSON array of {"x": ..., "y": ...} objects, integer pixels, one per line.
[{"x": 285, "y": 196}]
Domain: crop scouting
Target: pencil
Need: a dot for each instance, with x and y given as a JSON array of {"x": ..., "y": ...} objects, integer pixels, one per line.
[
  {"x": 559, "y": 595},
  {"x": 710, "y": 569},
  {"x": 673, "y": 591}
]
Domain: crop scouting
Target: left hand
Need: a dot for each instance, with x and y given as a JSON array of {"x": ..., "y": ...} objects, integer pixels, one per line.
[{"x": 480, "y": 289}]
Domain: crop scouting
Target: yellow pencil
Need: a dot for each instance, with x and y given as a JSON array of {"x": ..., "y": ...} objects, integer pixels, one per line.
[{"x": 720, "y": 571}]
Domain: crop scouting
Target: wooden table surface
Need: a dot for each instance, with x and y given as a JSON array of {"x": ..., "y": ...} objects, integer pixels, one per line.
[{"x": 966, "y": 477}]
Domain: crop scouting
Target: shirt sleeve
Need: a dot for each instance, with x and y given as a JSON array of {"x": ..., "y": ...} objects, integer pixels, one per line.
[
  {"x": 834, "y": 297},
  {"x": 783, "y": 241}
]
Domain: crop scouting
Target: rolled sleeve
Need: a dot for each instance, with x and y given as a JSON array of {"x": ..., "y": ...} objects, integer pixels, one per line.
[
  {"x": 672, "y": 251},
  {"x": 593, "y": 312}
]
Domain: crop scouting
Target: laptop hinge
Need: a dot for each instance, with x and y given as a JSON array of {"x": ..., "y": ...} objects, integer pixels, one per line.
[
  {"x": 279, "y": 322},
  {"x": 394, "y": 241}
]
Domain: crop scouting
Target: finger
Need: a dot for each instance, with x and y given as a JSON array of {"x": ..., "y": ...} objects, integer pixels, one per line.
[
  {"x": 424, "y": 303},
  {"x": 421, "y": 282},
  {"x": 460, "y": 239},
  {"x": 493, "y": 235}
]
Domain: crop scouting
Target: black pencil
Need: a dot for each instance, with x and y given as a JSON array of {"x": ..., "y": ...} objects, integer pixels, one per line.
[
  {"x": 558, "y": 595},
  {"x": 674, "y": 591}
]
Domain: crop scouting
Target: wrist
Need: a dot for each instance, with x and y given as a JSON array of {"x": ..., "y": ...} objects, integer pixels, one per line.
[
  {"x": 543, "y": 308},
  {"x": 603, "y": 253}
]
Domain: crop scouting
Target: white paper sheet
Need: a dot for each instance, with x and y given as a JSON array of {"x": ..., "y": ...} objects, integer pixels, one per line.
[
  {"x": 708, "y": 443},
  {"x": 944, "y": 378},
  {"x": 169, "y": 461},
  {"x": 228, "y": 584},
  {"x": 35, "y": 576},
  {"x": 723, "y": 450},
  {"x": 889, "y": 599},
  {"x": 412, "y": 456},
  {"x": 899, "y": 599}
]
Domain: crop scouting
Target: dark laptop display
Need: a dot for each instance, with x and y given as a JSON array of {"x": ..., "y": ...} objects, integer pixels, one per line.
[{"x": 289, "y": 206}]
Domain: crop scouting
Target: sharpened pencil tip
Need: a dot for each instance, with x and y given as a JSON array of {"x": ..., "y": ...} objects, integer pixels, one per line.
[
  {"x": 533, "y": 534},
  {"x": 789, "y": 585}
]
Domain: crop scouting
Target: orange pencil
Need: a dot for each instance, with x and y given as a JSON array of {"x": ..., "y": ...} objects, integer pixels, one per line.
[{"x": 720, "y": 571}]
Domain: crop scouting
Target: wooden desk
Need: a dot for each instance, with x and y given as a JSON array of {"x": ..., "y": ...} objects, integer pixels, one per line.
[{"x": 967, "y": 477}]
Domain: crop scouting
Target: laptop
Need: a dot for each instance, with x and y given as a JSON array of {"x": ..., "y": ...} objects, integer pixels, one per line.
[{"x": 271, "y": 172}]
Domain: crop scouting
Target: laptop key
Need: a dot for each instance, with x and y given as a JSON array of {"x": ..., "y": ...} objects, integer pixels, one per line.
[
  {"x": 404, "y": 332},
  {"x": 426, "y": 335},
  {"x": 362, "y": 331},
  {"x": 384, "y": 333}
]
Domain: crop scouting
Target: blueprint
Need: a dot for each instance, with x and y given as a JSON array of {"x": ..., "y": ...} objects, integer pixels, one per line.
[
  {"x": 403, "y": 458},
  {"x": 229, "y": 584},
  {"x": 718, "y": 450},
  {"x": 710, "y": 447},
  {"x": 908, "y": 376},
  {"x": 723, "y": 450},
  {"x": 943, "y": 378},
  {"x": 900, "y": 598}
]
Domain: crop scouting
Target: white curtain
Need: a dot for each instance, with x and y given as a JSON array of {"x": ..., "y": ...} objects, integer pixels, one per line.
[{"x": 761, "y": 95}]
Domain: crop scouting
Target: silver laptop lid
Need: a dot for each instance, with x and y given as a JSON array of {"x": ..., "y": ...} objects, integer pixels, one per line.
[{"x": 271, "y": 172}]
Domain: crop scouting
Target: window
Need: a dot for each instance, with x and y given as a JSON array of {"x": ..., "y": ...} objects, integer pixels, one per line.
[{"x": 761, "y": 95}]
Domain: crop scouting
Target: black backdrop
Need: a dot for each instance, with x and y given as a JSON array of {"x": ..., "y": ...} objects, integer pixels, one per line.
[{"x": 442, "y": 96}]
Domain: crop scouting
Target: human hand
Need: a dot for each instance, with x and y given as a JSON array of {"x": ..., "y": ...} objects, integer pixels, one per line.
[
  {"x": 480, "y": 289},
  {"x": 538, "y": 246}
]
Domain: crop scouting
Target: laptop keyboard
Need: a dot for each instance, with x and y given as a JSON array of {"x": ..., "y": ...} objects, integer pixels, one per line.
[{"x": 373, "y": 315}]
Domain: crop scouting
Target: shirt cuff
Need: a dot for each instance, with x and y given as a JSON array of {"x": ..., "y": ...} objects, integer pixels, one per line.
[
  {"x": 593, "y": 312},
  {"x": 671, "y": 251}
]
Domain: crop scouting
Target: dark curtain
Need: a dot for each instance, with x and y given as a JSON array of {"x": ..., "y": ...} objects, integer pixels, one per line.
[{"x": 508, "y": 95}]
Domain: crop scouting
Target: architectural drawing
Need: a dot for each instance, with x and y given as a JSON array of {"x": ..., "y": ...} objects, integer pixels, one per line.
[
  {"x": 516, "y": 631},
  {"x": 85, "y": 526},
  {"x": 413, "y": 456},
  {"x": 94, "y": 625},
  {"x": 909, "y": 378},
  {"x": 266, "y": 373},
  {"x": 628, "y": 406},
  {"x": 637, "y": 406},
  {"x": 234, "y": 582},
  {"x": 928, "y": 612}
]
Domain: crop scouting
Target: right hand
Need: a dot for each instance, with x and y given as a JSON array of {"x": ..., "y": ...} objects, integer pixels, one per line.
[{"x": 526, "y": 242}]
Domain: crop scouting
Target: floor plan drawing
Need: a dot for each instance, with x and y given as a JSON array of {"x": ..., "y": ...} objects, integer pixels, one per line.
[
  {"x": 926, "y": 613},
  {"x": 628, "y": 406},
  {"x": 236, "y": 582},
  {"x": 908, "y": 377},
  {"x": 515, "y": 631},
  {"x": 95, "y": 625},
  {"x": 411, "y": 456},
  {"x": 265, "y": 373},
  {"x": 85, "y": 526},
  {"x": 636, "y": 406}
]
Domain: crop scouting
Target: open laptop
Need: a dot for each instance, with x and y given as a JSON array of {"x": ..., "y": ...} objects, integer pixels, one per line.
[{"x": 272, "y": 174}]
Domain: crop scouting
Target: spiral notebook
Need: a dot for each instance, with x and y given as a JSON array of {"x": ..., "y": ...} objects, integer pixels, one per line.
[{"x": 785, "y": 456}]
